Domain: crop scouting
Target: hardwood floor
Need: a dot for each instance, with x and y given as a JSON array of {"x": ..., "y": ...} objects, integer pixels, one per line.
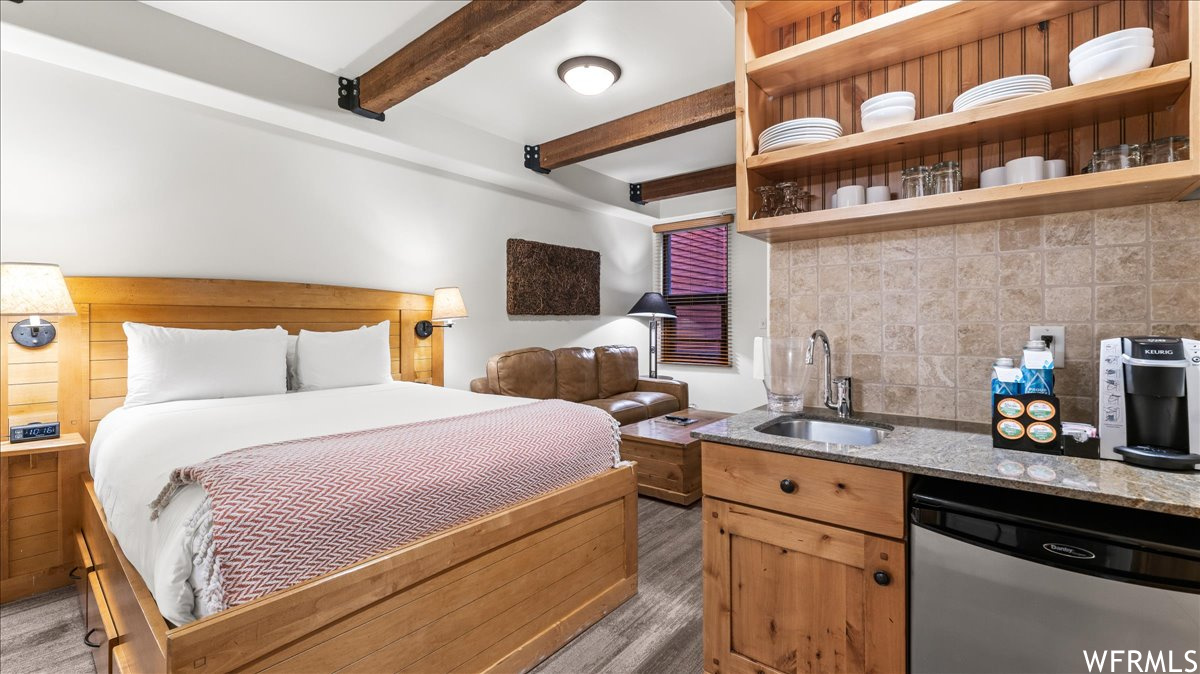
[{"x": 656, "y": 631}]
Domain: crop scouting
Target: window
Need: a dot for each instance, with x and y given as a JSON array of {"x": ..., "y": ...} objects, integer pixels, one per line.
[{"x": 695, "y": 281}]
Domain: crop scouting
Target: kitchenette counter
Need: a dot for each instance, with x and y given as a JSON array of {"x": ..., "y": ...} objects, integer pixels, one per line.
[{"x": 963, "y": 451}]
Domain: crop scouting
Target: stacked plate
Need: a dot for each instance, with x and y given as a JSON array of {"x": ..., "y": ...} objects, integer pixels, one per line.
[
  {"x": 1002, "y": 89},
  {"x": 1119, "y": 53},
  {"x": 798, "y": 132}
]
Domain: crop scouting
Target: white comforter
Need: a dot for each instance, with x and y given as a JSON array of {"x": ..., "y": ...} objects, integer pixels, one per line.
[{"x": 135, "y": 450}]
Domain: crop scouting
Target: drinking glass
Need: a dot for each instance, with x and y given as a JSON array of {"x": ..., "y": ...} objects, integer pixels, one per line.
[
  {"x": 785, "y": 373},
  {"x": 946, "y": 177},
  {"x": 914, "y": 182},
  {"x": 1164, "y": 150},
  {"x": 788, "y": 194},
  {"x": 770, "y": 201}
]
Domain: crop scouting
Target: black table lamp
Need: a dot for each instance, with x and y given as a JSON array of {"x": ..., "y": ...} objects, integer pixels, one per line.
[{"x": 654, "y": 306}]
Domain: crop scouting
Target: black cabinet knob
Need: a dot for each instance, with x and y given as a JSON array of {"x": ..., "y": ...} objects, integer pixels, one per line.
[
  {"x": 883, "y": 578},
  {"x": 787, "y": 486}
]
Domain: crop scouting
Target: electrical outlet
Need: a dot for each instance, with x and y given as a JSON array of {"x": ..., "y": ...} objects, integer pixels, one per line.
[{"x": 1058, "y": 336}]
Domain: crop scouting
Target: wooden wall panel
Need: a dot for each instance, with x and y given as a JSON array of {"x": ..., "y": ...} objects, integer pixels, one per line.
[{"x": 938, "y": 78}]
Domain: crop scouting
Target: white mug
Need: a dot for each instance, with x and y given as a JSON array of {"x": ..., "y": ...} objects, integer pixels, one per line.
[
  {"x": 833, "y": 200},
  {"x": 851, "y": 195},
  {"x": 1055, "y": 168},
  {"x": 879, "y": 194},
  {"x": 1025, "y": 170},
  {"x": 993, "y": 177}
]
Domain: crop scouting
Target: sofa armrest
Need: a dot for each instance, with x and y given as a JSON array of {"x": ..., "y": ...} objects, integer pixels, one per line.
[
  {"x": 480, "y": 385},
  {"x": 677, "y": 388}
]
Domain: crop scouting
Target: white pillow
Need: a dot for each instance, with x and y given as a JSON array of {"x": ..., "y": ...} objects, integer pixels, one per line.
[
  {"x": 182, "y": 364},
  {"x": 348, "y": 358}
]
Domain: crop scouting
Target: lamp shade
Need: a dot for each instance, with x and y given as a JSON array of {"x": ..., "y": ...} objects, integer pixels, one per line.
[
  {"x": 652, "y": 305},
  {"x": 34, "y": 289},
  {"x": 448, "y": 304}
]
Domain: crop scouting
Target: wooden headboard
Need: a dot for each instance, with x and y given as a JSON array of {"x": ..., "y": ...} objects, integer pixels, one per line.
[{"x": 81, "y": 376}]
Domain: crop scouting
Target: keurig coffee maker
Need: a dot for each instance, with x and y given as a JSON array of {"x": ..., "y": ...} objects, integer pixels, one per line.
[{"x": 1150, "y": 401}]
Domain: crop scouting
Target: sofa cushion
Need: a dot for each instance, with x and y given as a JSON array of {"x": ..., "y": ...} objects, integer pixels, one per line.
[
  {"x": 617, "y": 368},
  {"x": 575, "y": 372},
  {"x": 623, "y": 410},
  {"x": 656, "y": 403},
  {"x": 526, "y": 373}
]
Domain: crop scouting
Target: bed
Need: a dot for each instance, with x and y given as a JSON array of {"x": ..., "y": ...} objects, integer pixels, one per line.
[{"x": 495, "y": 593}]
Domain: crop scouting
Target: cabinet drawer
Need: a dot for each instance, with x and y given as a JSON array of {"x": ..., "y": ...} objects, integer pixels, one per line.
[
  {"x": 867, "y": 499},
  {"x": 101, "y": 633}
]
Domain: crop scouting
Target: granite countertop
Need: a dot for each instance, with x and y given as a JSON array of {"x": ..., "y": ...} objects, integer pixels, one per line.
[{"x": 963, "y": 451}]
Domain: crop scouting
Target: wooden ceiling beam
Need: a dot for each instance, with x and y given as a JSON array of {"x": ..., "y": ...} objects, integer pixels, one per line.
[
  {"x": 682, "y": 185},
  {"x": 478, "y": 29},
  {"x": 708, "y": 107}
]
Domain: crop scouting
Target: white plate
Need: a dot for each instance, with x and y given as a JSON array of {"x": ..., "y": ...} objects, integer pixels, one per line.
[
  {"x": 805, "y": 122},
  {"x": 962, "y": 103},
  {"x": 995, "y": 99},
  {"x": 801, "y": 134},
  {"x": 787, "y": 139},
  {"x": 1007, "y": 89},
  {"x": 800, "y": 129},
  {"x": 1040, "y": 81}
]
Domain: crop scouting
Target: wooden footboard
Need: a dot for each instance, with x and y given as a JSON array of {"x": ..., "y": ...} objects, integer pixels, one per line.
[{"x": 497, "y": 594}]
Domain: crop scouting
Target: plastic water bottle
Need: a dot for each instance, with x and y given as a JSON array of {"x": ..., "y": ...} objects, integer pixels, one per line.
[
  {"x": 1037, "y": 368},
  {"x": 1006, "y": 379}
]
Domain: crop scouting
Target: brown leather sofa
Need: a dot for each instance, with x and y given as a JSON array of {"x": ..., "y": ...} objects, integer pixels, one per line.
[{"x": 604, "y": 377}]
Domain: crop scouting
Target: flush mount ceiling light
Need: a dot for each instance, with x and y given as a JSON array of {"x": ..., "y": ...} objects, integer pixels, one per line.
[{"x": 589, "y": 75}]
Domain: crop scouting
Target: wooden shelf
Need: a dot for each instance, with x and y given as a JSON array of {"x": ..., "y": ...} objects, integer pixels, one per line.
[
  {"x": 1142, "y": 185},
  {"x": 1145, "y": 91},
  {"x": 921, "y": 28}
]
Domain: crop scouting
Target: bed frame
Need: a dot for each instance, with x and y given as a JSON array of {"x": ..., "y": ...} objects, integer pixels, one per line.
[{"x": 500, "y": 593}]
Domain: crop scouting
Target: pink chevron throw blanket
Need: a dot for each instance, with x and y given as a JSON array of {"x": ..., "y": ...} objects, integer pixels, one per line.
[{"x": 290, "y": 511}]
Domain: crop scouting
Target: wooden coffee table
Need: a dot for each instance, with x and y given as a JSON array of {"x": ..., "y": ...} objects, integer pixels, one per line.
[{"x": 667, "y": 456}]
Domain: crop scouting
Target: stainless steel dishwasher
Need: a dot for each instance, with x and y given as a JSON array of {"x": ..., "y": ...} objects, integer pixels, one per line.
[{"x": 1007, "y": 581}]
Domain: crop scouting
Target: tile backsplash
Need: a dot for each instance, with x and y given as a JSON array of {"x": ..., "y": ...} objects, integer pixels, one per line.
[{"x": 916, "y": 317}]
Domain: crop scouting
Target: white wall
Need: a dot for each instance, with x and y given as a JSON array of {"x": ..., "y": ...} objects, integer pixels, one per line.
[{"x": 108, "y": 179}]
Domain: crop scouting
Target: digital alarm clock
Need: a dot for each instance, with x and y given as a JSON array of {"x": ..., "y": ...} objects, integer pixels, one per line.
[{"x": 34, "y": 431}]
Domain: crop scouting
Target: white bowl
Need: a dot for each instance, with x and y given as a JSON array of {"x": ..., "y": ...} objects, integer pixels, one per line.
[
  {"x": 1132, "y": 41},
  {"x": 993, "y": 177},
  {"x": 1096, "y": 45},
  {"x": 889, "y": 116},
  {"x": 1024, "y": 170},
  {"x": 906, "y": 98},
  {"x": 1111, "y": 64}
]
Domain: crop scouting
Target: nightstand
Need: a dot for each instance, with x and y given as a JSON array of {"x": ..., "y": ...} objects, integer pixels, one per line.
[{"x": 39, "y": 513}]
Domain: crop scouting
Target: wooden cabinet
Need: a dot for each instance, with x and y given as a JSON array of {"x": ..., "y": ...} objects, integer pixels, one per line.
[
  {"x": 786, "y": 593},
  {"x": 39, "y": 492}
]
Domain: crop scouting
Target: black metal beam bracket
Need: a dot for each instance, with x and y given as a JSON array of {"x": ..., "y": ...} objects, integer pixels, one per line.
[
  {"x": 635, "y": 194},
  {"x": 533, "y": 159},
  {"x": 348, "y": 99}
]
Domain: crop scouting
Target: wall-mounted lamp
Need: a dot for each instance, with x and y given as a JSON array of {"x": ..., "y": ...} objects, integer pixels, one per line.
[
  {"x": 447, "y": 307},
  {"x": 654, "y": 306},
  {"x": 34, "y": 290}
]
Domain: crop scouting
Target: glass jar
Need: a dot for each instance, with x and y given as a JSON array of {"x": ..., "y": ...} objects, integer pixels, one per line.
[
  {"x": 1165, "y": 150},
  {"x": 914, "y": 182},
  {"x": 770, "y": 201},
  {"x": 945, "y": 177},
  {"x": 1116, "y": 157}
]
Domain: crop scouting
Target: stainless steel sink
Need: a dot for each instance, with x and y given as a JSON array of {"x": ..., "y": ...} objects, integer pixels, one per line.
[{"x": 819, "y": 430}]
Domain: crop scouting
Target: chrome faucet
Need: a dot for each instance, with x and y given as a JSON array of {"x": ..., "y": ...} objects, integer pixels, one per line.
[{"x": 829, "y": 383}]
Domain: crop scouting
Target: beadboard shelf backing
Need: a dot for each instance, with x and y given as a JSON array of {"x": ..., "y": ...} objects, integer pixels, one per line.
[
  {"x": 905, "y": 33},
  {"x": 1141, "y": 185},
  {"x": 815, "y": 59}
]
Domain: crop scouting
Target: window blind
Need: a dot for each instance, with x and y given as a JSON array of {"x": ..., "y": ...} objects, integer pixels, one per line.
[{"x": 694, "y": 276}]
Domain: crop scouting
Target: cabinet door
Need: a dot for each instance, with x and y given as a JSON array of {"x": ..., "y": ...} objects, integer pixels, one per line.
[{"x": 784, "y": 594}]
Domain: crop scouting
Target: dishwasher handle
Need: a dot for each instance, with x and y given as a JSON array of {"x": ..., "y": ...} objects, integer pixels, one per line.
[{"x": 1064, "y": 549}]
